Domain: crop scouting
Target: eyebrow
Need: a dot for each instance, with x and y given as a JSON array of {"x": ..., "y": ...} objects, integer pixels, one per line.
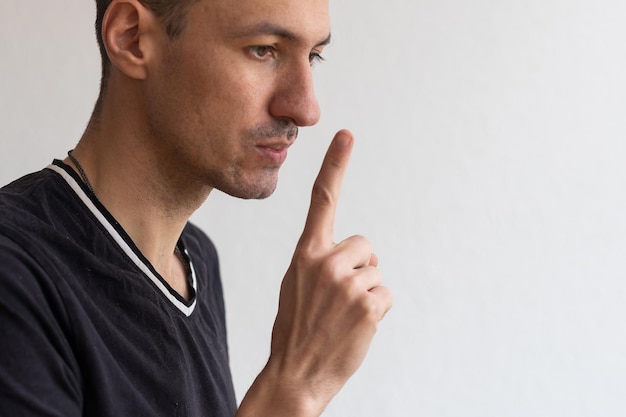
[{"x": 268, "y": 28}]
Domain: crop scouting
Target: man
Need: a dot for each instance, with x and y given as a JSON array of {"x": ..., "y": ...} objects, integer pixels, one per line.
[{"x": 110, "y": 300}]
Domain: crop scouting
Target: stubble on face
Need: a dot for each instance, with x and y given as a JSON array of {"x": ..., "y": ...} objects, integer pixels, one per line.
[
  {"x": 277, "y": 128},
  {"x": 208, "y": 109},
  {"x": 261, "y": 184}
]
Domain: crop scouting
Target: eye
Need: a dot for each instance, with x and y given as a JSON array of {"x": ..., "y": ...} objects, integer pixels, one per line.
[
  {"x": 262, "y": 51},
  {"x": 315, "y": 57}
]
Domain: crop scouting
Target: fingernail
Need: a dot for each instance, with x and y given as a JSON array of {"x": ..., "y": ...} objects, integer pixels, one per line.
[{"x": 342, "y": 139}]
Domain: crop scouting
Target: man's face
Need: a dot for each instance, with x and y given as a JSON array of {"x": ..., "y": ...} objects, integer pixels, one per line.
[{"x": 224, "y": 102}]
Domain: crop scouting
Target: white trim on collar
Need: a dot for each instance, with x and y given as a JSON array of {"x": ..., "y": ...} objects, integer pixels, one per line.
[{"x": 187, "y": 310}]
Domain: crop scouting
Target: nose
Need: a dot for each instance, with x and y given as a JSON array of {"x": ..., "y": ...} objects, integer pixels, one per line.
[{"x": 294, "y": 96}]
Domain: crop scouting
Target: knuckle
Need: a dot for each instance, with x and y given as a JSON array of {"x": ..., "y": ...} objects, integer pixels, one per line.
[
  {"x": 322, "y": 196},
  {"x": 360, "y": 241},
  {"x": 303, "y": 254},
  {"x": 332, "y": 269},
  {"x": 369, "y": 309}
]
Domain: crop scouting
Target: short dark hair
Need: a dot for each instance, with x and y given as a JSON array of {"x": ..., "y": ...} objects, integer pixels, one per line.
[{"x": 172, "y": 14}]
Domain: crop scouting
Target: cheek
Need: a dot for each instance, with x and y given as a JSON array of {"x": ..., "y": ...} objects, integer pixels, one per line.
[
  {"x": 223, "y": 98},
  {"x": 214, "y": 102}
]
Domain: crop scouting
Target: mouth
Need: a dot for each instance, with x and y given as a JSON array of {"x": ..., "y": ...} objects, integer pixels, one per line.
[
  {"x": 273, "y": 153},
  {"x": 272, "y": 140}
]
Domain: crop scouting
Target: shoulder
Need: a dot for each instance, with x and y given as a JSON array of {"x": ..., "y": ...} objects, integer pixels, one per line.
[
  {"x": 27, "y": 285},
  {"x": 26, "y": 222},
  {"x": 18, "y": 269},
  {"x": 36, "y": 248},
  {"x": 34, "y": 204},
  {"x": 20, "y": 192}
]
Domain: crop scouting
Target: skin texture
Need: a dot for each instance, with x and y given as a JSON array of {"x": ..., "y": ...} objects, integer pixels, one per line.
[
  {"x": 215, "y": 121},
  {"x": 217, "y": 107},
  {"x": 330, "y": 304}
]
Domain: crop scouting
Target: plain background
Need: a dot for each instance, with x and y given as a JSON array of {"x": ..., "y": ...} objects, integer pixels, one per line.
[{"x": 488, "y": 173}]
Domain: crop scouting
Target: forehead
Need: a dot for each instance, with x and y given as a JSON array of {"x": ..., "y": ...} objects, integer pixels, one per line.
[{"x": 306, "y": 19}]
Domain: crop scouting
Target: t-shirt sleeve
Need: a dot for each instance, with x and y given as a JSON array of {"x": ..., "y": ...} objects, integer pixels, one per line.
[{"x": 38, "y": 371}]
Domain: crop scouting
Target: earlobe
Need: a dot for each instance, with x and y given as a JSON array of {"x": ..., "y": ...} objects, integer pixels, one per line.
[{"x": 127, "y": 31}]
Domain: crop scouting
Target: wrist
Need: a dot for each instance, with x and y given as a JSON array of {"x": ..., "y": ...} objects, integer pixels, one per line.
[{"x": 276, "y": 393}]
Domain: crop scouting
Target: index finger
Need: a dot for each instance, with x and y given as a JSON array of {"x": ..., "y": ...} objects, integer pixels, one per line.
[{"x": 320, "y": 222}]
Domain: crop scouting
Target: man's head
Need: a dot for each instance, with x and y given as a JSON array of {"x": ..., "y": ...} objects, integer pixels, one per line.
[{"x": 213, "y": 89}]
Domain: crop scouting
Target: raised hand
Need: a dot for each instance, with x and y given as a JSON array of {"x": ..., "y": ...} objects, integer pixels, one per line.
[{"x": 330, "y": 303}]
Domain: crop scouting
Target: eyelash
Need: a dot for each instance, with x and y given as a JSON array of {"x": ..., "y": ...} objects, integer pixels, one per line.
[{"x": 314, "y": 57}]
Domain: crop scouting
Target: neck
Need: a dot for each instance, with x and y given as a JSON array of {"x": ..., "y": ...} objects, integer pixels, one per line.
[{"x": 151, "y": 200}]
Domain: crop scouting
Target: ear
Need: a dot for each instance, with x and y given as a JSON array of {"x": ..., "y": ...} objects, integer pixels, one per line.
[{"x": 130, "y": 33}]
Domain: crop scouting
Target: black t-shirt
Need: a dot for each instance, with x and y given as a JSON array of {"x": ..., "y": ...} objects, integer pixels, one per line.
[{"x": 87, "y": 325}]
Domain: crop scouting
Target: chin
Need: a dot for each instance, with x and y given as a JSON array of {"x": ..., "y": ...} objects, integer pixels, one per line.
[
  {"x": 259, "y": 195},
  {"x": 256, "y": 191},
  {"x": 258, "y": 185}
]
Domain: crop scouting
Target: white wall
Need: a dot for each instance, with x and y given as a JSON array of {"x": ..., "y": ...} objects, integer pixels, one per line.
[{"x": 488, "y": 173}]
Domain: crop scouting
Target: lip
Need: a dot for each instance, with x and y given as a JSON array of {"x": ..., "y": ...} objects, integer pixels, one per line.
[{"x": 274, "y": 153}]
